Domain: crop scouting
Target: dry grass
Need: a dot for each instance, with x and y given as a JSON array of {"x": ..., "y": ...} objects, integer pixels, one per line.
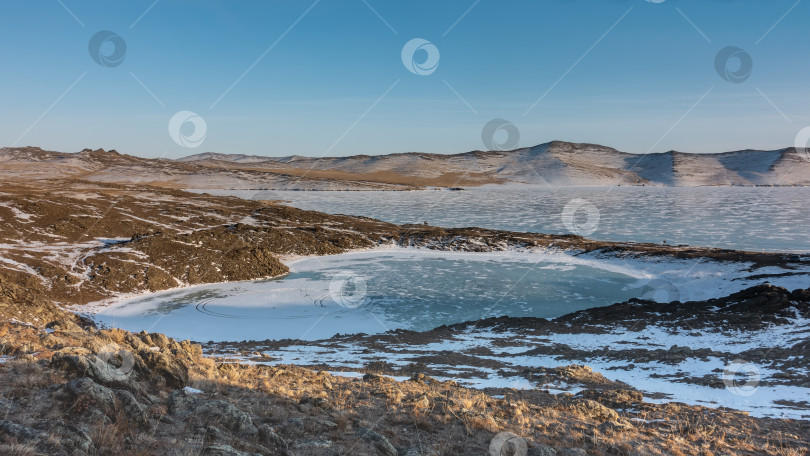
[{"x": 438, "y": 416}]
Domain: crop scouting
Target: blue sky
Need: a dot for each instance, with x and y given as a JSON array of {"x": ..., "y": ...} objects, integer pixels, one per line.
[{"x": 632, "y": 74}]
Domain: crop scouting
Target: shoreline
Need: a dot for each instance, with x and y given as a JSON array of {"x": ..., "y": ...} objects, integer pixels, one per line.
[
  {"x": 708, "y": 279},
  {"x": 672, "y": 360},
  {"x": 698, "y": 387}
]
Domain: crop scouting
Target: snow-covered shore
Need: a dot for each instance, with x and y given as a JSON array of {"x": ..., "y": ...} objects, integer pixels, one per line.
[{"x": 302, "y": 305}]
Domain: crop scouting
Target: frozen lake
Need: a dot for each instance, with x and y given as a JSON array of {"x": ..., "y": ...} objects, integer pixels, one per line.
[
  {"x": 742, "y": 218},
  {"x": 391, "y": 288}
]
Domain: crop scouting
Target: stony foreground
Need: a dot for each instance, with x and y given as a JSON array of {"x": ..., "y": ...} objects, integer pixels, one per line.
[
  {"x": 77, "y": 390},
  {"x": 746, "y": 351}
]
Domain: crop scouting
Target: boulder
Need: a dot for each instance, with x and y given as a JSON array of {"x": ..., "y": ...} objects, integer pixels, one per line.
[
  {"x": 160, "y": 340},
  {"x": 112, "y": 367},
  {"x": 173, "y": 372},
  {"x": 378, "y": 440},
  {"x": 181, "y": 403},
  {"x": 132, "y": 409},
  {"x": 613, "y": 398},
  {"x": 18, "y": 432},
  {"x": 269, "y": 437},
  {"x": 227, "y": 416},
  {"x": 70, "y": 437},
  {"x": 592, "y": 409},
  {"x": 109, "y": 401},
  {"x": 614, "y": 427},
  {"x": 101, "y": 396},
  {"x": 309, "y": 444},
  {"x": 573, "y": 452},
  {"x": 64, "y": 325},
  {"x": 542, "y": 450},
  {"x": 212, "y": 412}
]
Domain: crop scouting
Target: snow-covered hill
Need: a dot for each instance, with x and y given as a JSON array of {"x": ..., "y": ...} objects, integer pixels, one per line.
[{"x": 556, "y": 163}]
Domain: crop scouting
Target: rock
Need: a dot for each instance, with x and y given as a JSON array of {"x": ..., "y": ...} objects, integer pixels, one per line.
[
  {"x": 101, "y": 369},
  {"x": 213, "y": 433},
  {"x": 109, "y": 401},
  {"x": 181, "y": 403},
  {"x": 380, "y": 442},
  {"x": 225, "y": 450},
  {"x": 542, "y": 450},
  {"x": 95, "y": 417},
  {"x": 320, "y": 425},
  {"x": 160, "y": 340},
  {"x": 214, "y": 413},
  {"x": 101, "y": 396},
  {"x": 227, "y": 416},
  {"x": 132, "y": 408},
  {"x": 370, "y": 377},
  {"x": 71, "y": 437},
  {"x": 614, "y": 427},
  {"x": 592, "y": 409},
  {"x": 5, "y": 405},
  {"x": 173, "y": 372},
  {"x": 146, "y": 338},
  {"x": 313, "y": 443},
  {"x": 314, "y": 401},
  {"x": 613, "y": 398},
  {"x": 63, "y": 325},
  {"x": 410, "y": 452},
  {"x": 573, "y": 452},
  {"x": 269, "y": 437},
  {"x": 681, "y": 351},
  {"x": 18, "y": 432}
]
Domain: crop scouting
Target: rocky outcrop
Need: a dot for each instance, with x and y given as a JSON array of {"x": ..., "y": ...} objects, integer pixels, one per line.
[
  {"x": 13, "y": 431},
  {"x": 380, "y": 442},
  {"x": 113, "y": 403},
  {"x": 288, "y": 410},
  {"x": 213, "y": 413},
  {"x": 591, "y": 409}
]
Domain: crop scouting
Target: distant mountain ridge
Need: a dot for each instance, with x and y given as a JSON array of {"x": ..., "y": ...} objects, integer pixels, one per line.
[{"x": 556, "y": 163}]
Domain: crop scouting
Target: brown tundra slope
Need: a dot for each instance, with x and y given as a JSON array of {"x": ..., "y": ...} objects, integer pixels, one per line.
[{"x": 68, "y": 387}]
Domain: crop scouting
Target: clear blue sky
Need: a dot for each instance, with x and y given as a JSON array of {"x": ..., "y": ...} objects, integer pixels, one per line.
[{"x": 309, "y": 93}]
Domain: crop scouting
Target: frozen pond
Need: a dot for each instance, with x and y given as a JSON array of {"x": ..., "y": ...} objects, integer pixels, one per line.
[
  {"x": 392, "y": 288},
  {"x": 742, "y": 218}
]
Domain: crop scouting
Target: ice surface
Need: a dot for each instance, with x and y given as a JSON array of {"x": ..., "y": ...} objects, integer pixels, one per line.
[
  {"x": 741, "y": 218},
  {"x": 420, "y": 289}
]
